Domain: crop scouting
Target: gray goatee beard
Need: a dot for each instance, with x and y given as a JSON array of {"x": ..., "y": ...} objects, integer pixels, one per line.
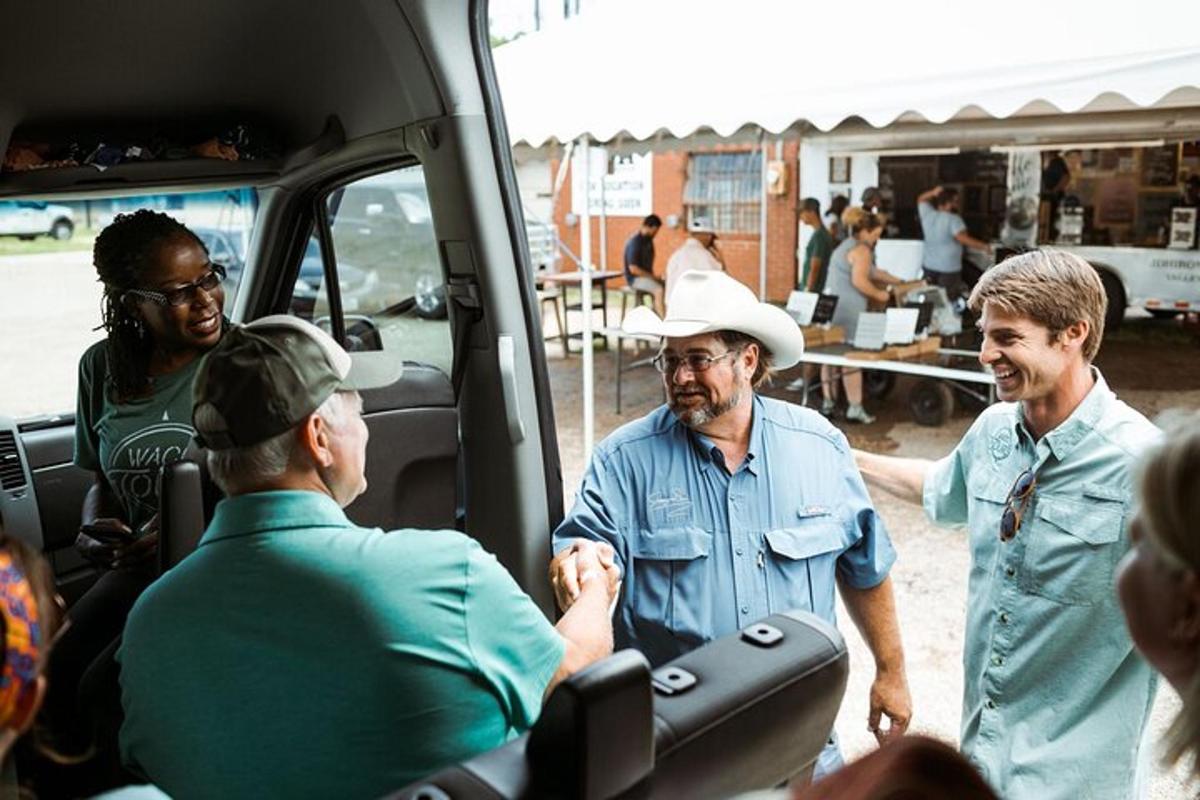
[{"x": 698, "y": 417}]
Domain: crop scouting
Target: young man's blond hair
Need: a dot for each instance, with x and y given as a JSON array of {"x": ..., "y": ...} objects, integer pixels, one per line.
[{"x": 1050, "y": 287}]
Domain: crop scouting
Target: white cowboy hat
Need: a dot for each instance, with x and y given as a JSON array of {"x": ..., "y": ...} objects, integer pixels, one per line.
[
  {"x": 701, "y": 225},
  {"x": 704, "y": 301}
]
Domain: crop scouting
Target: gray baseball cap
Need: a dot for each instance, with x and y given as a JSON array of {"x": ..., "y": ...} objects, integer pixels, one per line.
[{"x": 266, "y": 377}]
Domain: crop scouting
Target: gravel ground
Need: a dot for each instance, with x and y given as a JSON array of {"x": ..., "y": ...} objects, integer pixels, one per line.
[{"x": 1150, "y": 367}]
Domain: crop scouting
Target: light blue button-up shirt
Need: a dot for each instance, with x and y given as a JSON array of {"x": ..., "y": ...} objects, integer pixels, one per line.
[
  {"x": 1055, "y": 697},
  {"x": 704, "y": 553}
]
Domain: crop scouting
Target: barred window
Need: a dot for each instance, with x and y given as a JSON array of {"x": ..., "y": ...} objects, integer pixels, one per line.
[{"x": 726, "y": 188}]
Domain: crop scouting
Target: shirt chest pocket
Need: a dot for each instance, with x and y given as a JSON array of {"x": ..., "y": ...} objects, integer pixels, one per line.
[
  {"x": 1073, "y": 547},
  {"x": 801, "y": 565},
  {"x": 672, "y": 589}
]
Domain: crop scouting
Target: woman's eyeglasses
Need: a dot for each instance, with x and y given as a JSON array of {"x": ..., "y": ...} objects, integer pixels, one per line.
[
  {"x": 696, "y": 362},
  {"x": 183, "y": 295},
  {"x": 1014, "y": 506}
]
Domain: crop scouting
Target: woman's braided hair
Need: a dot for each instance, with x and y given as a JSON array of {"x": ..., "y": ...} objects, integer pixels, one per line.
[{"x": 124, "y": 254}]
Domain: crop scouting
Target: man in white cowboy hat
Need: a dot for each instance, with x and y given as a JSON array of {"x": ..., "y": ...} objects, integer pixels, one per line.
[
  {"x": 724, "y": 506},
  {"x": 697, "y": 253}
]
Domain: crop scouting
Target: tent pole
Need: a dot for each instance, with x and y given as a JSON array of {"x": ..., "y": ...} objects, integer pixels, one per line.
[
  {"x": 585, "y": 253},
  {"x": 604, "y": 216},
  {"x": 762, "y": 224}
]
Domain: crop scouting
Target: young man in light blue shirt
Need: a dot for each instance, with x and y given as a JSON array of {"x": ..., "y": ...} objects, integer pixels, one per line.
[
  {"x": 724, "y": 506},
  {"x": 1055, "y": 698}
]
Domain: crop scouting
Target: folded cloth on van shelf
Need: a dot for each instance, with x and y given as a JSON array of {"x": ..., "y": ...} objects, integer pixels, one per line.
[
  {"x": 239, "y": 142},
  {"x": 25, "y": 156}
]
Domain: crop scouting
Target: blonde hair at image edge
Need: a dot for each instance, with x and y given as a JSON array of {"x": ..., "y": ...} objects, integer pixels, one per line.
[{"x": 1169, "y": 515}]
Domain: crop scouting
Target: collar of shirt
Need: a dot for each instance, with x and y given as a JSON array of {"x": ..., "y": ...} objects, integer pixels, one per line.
[
  {"x": 712, "y": 454},
  {"x": 1082, "y": 421},
  {"x": 259, "y": 512}
]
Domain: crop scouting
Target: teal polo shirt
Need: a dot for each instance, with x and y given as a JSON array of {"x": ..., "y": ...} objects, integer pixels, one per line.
[
  {"x": 295, "y": 654},
  {"x": 1055, "y": 697}
]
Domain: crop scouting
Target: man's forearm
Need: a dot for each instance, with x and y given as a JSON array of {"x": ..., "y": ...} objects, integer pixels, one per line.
[
  {"x": 587, "y": 630},
  {"x": 874, "y": 614},
  {"x": 902, "y": 477}
]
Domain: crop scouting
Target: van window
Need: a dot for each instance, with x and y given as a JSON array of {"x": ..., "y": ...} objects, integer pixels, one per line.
[
  {"x": 389, "y": 274},
  {"x": 50, "y": 294}
]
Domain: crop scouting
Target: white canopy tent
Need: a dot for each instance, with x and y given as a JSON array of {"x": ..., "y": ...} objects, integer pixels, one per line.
[
  {"x": 639, "y": 69},
  {"x": 635, "y": 69}
]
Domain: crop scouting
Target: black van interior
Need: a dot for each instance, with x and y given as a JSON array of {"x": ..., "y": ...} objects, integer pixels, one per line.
[{"x": 334, "y": 94}]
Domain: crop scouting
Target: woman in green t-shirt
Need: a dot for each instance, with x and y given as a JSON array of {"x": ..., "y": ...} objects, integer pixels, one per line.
[{"x": 162, "y": 309}]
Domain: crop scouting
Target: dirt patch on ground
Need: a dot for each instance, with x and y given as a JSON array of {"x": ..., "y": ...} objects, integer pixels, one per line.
[{"x": 1151, "y": 365}]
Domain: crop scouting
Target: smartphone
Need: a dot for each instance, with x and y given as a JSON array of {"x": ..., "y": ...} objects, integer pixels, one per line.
[{"x": 105, "y": 534}]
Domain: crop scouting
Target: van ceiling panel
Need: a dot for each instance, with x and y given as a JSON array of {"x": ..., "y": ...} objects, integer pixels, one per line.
[{"x": 283, "y": 63}]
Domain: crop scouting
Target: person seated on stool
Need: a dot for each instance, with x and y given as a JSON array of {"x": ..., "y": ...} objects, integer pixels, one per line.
[{"x": 639, "y": 261}]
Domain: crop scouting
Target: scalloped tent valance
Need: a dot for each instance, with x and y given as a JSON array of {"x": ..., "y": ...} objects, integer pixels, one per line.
[{"x": 636, "y": 69}]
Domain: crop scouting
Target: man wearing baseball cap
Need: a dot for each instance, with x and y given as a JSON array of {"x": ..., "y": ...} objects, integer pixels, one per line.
[
  {"x": 697, "y": 253},
  {"x": 724, "y": 506},
  {"x": 296, "y": 654}
]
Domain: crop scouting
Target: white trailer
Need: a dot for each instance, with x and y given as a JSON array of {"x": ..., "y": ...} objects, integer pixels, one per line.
[{"x": 1162, "y": 281}]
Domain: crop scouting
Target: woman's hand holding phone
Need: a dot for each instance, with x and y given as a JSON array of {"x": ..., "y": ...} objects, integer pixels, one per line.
[{"x": 111, "y": 543}]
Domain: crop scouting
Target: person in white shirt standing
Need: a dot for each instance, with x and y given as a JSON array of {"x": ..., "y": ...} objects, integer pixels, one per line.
[{"x": 698, "y": 252}]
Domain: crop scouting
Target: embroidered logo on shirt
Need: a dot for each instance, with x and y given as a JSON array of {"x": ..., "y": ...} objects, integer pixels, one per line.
[
  {"x": 669, "y": 508},
  {"x": 1001, "y": 444}
]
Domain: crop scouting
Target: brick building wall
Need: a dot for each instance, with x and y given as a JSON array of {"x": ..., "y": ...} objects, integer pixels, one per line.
[{"x": 741, "y": 250}]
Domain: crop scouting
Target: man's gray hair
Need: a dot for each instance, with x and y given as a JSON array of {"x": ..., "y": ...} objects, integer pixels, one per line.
[{"x": 239, "y": 469}]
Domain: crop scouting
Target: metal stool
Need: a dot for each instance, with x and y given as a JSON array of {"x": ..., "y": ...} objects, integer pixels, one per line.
[
  {"x": 638, "y": 296},
  {"x": 555, "y": 298}
]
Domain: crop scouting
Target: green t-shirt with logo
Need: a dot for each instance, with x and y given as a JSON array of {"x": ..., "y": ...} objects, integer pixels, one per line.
[{"x": 130, "y": 442}]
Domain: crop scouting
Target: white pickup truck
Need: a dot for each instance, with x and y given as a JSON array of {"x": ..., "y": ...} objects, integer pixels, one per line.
[
  {"x": 28, "y": 219},
  {"x": 1164, "y": 282}
]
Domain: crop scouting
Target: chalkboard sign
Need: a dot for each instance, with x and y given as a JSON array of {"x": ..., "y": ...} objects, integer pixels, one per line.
[
  {"x": 1116, "y": 202},
  {"x": 826, "y": 305},
  {"x": 1153, "y": 218},
  {"x": 1159, "y": 165}
]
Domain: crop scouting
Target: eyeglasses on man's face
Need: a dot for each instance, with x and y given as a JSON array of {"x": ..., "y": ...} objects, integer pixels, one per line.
[
  {"x": 185, "y": 294},
  {"x": 695, "y": 362}
]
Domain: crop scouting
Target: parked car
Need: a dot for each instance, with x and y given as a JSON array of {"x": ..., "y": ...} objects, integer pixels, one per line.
[
  {"x": 360, "y": 289},
  {"x": 389, "y": 215},
  {"x": 29, "y": 219}
]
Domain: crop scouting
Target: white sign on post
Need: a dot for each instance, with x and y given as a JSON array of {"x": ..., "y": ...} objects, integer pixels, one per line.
[{"x": 628, "y": 189}]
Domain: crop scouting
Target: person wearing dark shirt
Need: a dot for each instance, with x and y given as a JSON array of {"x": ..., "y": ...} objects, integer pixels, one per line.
[
  {"x": 639, "y": 262},
  {"x": 816, "y": 254},
  {"x": 833, "y": 218},
  {"x": 1056, "y": 177}
]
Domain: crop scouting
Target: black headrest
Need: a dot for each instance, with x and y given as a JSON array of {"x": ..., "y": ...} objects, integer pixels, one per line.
[
  {"x": 750, "y": 710},
  {"x": 593, "y": 740},
  {"x": 187, "y": 497}
]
